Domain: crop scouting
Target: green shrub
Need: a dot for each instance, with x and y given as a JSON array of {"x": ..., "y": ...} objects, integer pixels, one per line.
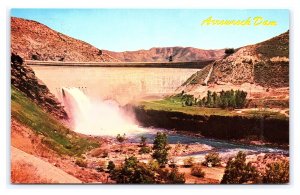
[
  {"x": 111, "y": 166},
  {"x": 188, "y": 162},
  {"x": 229, "y": 51},
  {"x": 238, "y": 171},
  {"x": 171, "y": 177},
  {"x": 144, "y": 150},
  {"x": 196, "y": 170},
  {"x": 161, "y": 148},
  {"x": 133, "y": 172},
  {"x": 81, "y": 162},
  {"x": 224, "y": 99},
  {"x": 277, "y": 173},
  {"x": 121, "y": 138},
  {"x": 212, "y": 159},
  {"x": 143, "y": 141}
]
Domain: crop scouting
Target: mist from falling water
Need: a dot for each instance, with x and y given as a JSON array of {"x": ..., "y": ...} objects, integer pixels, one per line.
[{"x": 97, "y": 117}]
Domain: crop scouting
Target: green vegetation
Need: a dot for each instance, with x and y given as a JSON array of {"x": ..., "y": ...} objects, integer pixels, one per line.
[
  {"x": 277, "y": 173},
  {"x": 224, "y": 99},
  {"x": 144, "y": 148},
  {"x": 238, "y": 171},
  {"x": 81, "y": 162},
  {"x": 265, "y": 113},
  {"x": 121, "y": 138},
  {"x": 56, "y": 135},
  {"x": 161, "y": 148},
  {"x": 197, "y": 171},
  {"x": 213, "y": 104},
  {"x": 188, "y": 162},
  {"x": 111, "y": 166},
  {"x": 229, "y": 51},
  {"x": 171, "y": 177},
  {"x": 212, "y": 159},
  {"x": 133, "y": 172}
]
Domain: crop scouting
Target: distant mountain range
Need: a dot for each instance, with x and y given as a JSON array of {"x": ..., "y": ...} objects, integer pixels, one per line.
[{"x": 35, "y": 41}]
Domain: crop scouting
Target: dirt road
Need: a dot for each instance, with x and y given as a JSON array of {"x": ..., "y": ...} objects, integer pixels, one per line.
[{"x": 44, "y": 169}]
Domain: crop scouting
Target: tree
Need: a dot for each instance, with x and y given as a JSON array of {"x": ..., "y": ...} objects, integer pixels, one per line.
[
  {"x": 196, "y": 171},
  {"x": 143, "y": 144},
  {"x": 161, "y": 148},
  {"x": 133, "y": 172},
  {"x": 188, "y": 162},
  {"x": 121, "y": 139},
  {"x": 215, "y": 99},
  {"x": 237, "y": 171},
  {"x": 229, "y": 51},
  {"x": 111, "y": 166},
  {"x": 171, "y": 58},
  {"x": 277, "y": 173},
  {"x": 170, "y": 177},
  {"x": 143, "y": 141},
  {"x": 212, "y": 159},
  {"x": 209, "y": 100},
  {"x": 240, "y": 98}
]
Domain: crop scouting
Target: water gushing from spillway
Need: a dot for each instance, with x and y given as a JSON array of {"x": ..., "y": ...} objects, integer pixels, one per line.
[{"x": 97, "y": 117}]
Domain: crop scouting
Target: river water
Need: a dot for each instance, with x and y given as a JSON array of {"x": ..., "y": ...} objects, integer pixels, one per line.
[{"x": 84, "y": 85}]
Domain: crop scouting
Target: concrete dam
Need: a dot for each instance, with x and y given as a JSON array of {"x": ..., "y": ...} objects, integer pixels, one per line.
[{"x": 126, "y": 83}]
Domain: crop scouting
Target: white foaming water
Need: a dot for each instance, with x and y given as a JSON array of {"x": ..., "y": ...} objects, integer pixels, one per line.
[{"x": 98, "y": 118}]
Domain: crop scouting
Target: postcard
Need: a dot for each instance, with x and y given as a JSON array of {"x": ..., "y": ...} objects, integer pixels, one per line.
[{"x": 149, "y": 96}]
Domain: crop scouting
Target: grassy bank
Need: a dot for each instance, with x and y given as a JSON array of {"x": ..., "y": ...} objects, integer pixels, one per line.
[
  {"x": 56, "y": 135},
  {"x": 174, "y": 104}
]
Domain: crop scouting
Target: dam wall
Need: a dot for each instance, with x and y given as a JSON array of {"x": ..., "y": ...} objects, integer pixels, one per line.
[{"x": 122, "y": 84}]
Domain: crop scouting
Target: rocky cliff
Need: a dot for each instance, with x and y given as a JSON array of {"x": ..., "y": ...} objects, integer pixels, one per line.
[{"x": 24, "y": 79}]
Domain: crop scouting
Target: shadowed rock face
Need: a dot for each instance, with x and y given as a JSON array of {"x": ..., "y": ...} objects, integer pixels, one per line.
[{"x": 24, "y": 79}]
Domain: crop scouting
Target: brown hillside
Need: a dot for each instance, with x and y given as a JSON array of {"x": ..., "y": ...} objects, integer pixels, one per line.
[
  {"x": 265, "y": 64},
  {"x": 35, "y": 41},
  {"x": 179, "y": 54}
]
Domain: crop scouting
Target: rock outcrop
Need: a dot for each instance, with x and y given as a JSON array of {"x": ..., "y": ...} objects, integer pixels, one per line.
[{"x": 24, "y": 79}]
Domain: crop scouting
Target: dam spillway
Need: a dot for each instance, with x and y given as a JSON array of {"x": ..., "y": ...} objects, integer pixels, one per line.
[{"x": 122, "y": 84}]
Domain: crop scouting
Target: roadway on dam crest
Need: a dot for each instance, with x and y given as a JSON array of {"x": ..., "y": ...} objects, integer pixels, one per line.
[{"x": 196, "y": 64}]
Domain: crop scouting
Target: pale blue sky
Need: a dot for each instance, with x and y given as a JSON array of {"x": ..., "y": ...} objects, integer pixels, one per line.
[{"x": 133, "y": 29}]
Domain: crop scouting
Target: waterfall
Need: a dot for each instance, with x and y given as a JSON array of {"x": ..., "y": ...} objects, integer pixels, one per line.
[{"x": 97, "y": 117}]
